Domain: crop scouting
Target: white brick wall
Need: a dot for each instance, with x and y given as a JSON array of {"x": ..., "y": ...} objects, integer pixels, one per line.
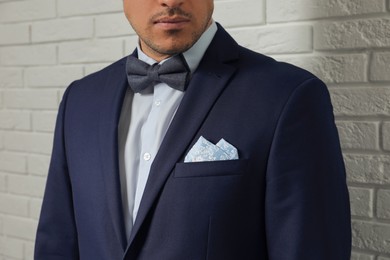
[
  {"x": 46, "y": 44},
  {"x": 18, "y": 11}
]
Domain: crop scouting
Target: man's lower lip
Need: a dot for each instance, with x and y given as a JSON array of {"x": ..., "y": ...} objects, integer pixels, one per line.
[{"x": 171, "y": 26}]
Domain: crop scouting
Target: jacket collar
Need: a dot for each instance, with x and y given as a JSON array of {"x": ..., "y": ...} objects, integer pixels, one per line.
[{"x": 111, "y": 100}]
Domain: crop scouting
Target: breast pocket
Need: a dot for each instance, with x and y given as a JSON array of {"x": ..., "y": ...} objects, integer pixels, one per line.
[{"x": 210, "y": 169}]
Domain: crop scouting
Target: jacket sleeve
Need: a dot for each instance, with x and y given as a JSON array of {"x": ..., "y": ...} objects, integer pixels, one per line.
[
  {"x": 56, "y": 237},
  {"x": 307, "y": 202}
]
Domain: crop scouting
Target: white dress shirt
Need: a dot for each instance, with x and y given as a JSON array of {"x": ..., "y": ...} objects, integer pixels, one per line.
[{"x": 145, "y": 118}]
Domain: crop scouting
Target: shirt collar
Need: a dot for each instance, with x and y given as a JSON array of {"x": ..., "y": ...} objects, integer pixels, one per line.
[{"x": 194, "y": 55}]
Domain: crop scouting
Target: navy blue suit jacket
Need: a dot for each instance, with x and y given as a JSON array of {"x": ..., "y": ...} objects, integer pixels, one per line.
[{"x": 285, "y": 198}]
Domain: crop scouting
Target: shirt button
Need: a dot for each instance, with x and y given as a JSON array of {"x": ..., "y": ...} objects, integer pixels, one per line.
[
  {"x": 157, "y": 102},
  {"x": 147, "y": 156}
]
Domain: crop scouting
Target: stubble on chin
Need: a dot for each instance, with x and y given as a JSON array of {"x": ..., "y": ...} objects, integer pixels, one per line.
[{"x": 175, "y": 45}]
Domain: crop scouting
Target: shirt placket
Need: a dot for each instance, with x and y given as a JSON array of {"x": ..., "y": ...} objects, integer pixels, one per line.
[{"x": 149, "y": 142}]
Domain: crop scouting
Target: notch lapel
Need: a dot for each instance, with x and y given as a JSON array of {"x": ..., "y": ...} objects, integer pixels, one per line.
[
  {"x": 206, "y": 85},
  {"x": 112, "y": 97}
]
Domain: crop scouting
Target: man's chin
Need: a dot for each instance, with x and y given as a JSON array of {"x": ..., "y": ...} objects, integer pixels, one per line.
[
  {"x": 167, "y": 47},
  {"x": 172, "y": 49}
]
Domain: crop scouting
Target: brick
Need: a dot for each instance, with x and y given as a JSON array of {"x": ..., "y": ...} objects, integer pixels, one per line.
[
  {"x": 359, "y": 256},
  {"x": 380, "y": 69},
  {"x": 386, "y": 135},
  {"x": 367, "y": 169},
  {"x": 109, "y": 25},
  {"x": 3, "y": 182},
  {"x": 44, "y": 121},
  {"x": 16, "y": 11},
  {"x": 383, "y": 204},
  {"x": 358, "y": 135},
  {"x": 230, "y": 13},
  {"x": 15, "y": 34},
  {"x": 12, "y": 162},
  {"x": 31, "y": 99},
  {"x": 75, "y": 7},
  {"x": 20, "y": 228},
  {"x": 14, "y": 205},
  {"x": 346, "y": 68},
  {"x": 62, "y": 29},
  {"x": 28, "y": 250},
  {"x": 1, "y": 140},
  {"x": 13, "y": 248},
  {"x": 26, "y": 185},
  {"x": 361, "y": 101},
  {"x": 107, "y": 50},
  {"x": 361, "y": 201},
  {"x": 58, "y": 76},
  {"x": 28, "y": 142},
  {"x": 371, "y": 236},
  {"x": 28, "y": 55},
  {"x": 15, "y": 120},
  {"x": 11, "y": 78},
  {"x": 130, "y": 44},
  {"x": 38, "y": 164},
  {"x": 294, "y": 10},
  {"x": 35, "y": 208},
  {"x": 275, "y": 39},
  {"x": 2, "y": 245},
  {"x": 352, "y": 34}
]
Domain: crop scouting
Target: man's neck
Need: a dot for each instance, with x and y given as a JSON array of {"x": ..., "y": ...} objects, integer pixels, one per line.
[{"x": 193, "y": 55}]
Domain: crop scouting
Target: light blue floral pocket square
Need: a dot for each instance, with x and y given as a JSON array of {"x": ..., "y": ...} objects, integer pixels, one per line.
[{"x": 205, "y": 151}]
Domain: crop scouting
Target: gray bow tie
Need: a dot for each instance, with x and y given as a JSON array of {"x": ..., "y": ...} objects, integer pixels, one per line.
[{"x": 173, "y": 72}]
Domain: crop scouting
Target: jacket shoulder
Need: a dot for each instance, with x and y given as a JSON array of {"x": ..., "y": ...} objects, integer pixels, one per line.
[
  {"x": 269, "y": 68},
  {"x": 262, "y": 79},
  {"x": 103, "y": 73}
]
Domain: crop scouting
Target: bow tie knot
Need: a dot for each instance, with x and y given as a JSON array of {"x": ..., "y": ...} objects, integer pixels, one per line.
[
  {"x": 174, "y": 72},
  {"x": 153, "y": 72}
]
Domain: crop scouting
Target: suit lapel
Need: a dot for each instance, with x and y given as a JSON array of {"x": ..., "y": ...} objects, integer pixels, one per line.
[
  {"x": 206, "y": 85},
  {"x": 112, "y": 96}
]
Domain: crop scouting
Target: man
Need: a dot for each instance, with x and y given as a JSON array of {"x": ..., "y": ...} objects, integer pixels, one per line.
[{"x": 215, "y": 153}]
